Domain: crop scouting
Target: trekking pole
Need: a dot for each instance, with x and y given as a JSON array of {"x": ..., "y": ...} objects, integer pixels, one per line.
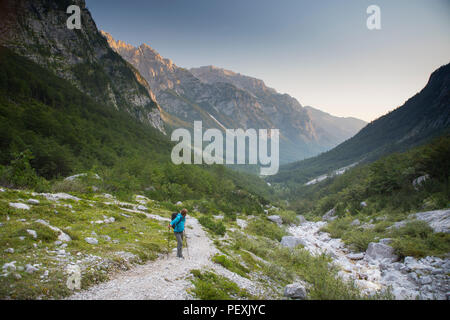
[
  {"x": 185, "y": 240},
  {"x": 168, "y": 239}
]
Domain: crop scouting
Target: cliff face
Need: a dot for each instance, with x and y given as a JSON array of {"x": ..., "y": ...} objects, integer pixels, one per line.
[{"x": 38, "y": 30}]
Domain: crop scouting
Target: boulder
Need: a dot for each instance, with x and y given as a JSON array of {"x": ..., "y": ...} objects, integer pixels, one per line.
[
  {"x": 9, "y": 250},
  {"x": 439, "y": 220},
  {"x": 295, "y": 291},
  {"x": 363, "y": 204},
  {"x": 33, "y": 201},
  {"x": 59, "y": 196},
  {"x": 19, "y": 206},
  {"x": 368, "y": 226},
  {"x": 179, "y": 203},
  {"x": 276, "y": 219},
  {"x": 330, "y": 215},
  {"x": 291, "y": 242},
  {"x": 380, "y": 251},
  {"x": 355, "y": 222}
]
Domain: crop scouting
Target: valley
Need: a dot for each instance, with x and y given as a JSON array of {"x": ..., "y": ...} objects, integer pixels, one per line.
[{"x": 89, "y": 127}]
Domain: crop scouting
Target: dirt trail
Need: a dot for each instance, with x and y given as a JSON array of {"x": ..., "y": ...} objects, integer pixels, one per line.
[{"x": 165, "y": 278}]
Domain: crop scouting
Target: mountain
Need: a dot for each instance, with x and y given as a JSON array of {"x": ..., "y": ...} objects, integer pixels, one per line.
[
  {"x": 224, "y": 99},
  {"x": 338, "y": 128},
  {"x": 420, "y": 118},
  {"x": 38, "y": 31}
]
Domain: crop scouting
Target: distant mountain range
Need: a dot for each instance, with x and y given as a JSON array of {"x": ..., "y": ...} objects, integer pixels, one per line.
[
  {"x": 225, "y": 99},
  {"x": 422, "y": 117}
]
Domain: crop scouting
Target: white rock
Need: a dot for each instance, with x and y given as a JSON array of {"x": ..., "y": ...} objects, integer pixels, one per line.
[
  {"x": 141, "y": 207},
  {"x": 62, "y": 236},
  {"x": 9, "y": 250},
  {"x": 439, "y": 220},
  {"x": 91, "y": 240},
  {"x": 356, "y": 256},
  {"x": 379, "y": 251},
  {"x": 19, "y": 206},
  {"x": 74, "y": 277},
  {"x": 363, "y": 204},
  {"x": 32, "y": 233},
  {"x": 30, "y": 269},
  {"x": 275, "y": 218},
  {"x": 59, "y": 196},
  {"x": 71, "y": 178},
  {"x": 106, "y": 237},
  {"x": 291, "y": 242},
  {"x": 33, "y": 201},
  {"x": 10, "y": 266},
  {"x": 109, "y": 220},
  {"x": 241, "y": 223},
  {"x": 179, "y": 203},
  {"x": 355, "y": 222},
  {"x": 295, "y": 290}
]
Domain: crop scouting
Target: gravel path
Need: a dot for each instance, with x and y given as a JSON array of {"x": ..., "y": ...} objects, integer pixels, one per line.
[{"x": 166, "y": 278}]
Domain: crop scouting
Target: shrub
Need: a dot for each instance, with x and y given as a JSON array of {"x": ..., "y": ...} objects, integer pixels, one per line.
[
  {"x": 216, "y": 227},
  {"x": 265, "y": 229},
  {"x": 231, "y": 265},
  {"x": 288, "y": 216}
]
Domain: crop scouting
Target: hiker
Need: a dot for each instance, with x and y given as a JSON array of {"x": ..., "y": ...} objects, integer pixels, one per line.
[{"x": 178, "y": 227}]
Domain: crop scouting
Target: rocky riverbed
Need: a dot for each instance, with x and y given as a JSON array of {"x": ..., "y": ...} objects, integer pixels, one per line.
[{"x": 378, "y": 268}]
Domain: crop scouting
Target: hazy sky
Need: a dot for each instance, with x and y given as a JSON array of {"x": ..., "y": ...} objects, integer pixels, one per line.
[{"x": 320, "y": 52}]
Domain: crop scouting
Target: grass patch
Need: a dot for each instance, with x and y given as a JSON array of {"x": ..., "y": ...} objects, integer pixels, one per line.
[
  {"x": 231, "y": 264},
  {"x": 209, "y": 286}
]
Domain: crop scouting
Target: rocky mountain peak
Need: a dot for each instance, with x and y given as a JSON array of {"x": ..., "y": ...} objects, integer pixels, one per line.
[{"x": 212, "y": 74}]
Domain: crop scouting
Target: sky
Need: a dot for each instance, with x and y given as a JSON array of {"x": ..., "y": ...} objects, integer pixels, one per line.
[{"x": 320, "y": 52}]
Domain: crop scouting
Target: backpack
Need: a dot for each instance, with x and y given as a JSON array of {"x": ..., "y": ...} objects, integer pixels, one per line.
[{"x": 174, "y": 215}]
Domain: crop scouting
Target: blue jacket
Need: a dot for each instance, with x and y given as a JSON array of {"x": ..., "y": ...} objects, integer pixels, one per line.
[{"x": 178, "y": 222}]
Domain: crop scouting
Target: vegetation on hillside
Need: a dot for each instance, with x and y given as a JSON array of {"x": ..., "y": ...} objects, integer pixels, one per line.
[
  {"x": 50, "y": 130},
  {"x": 423, "y": 117},
  {"x": 382, "y": 193}
]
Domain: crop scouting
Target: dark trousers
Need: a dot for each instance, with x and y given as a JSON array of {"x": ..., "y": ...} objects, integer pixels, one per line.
[{"x": 179, "y": 236}]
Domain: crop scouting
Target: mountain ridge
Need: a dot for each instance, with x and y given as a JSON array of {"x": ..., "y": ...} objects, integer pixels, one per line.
[
  {"x": 237, "y": 102},
  {"x": 419, "y": 119},
  {"x": 38, "y": 31}
]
